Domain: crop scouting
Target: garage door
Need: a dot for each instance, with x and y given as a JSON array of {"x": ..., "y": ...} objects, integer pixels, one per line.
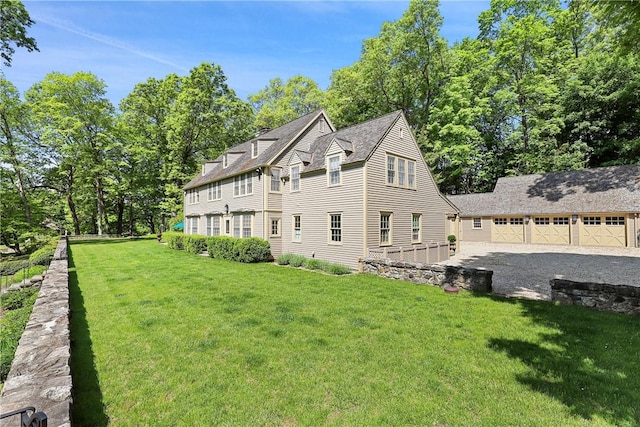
[
  {"x": 551, "y": 230},
  {"x": 508, "y": 230},
  {"x": 603, "y": 231}
]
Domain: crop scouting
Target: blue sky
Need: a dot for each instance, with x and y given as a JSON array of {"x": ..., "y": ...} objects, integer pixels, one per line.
[{"x": 126, "y": 42}]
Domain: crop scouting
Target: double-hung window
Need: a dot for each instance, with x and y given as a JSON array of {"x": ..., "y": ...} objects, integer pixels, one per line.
[
  {"x": 193, "y": 196},
  {"x": 335, "y": 228},
  {"x": 275, "y": 226},
  {"x": 385, "y": 228},
  {"x": 193, "y": 225},
  {"x": 242, "y": 225},
  {"x": 334, "y": 170},
  {"x": 243, "y": 184},
  {"x": 215, "y": 225},
  {"x": 391, "y": 170},
  {"x": 214, "y": 191},
  {"x": 416, "y": 228},
  {"x": 401, "y": 172},
  {"x": 295, "y": 178},
  {"x": 297, "y": 228},
  {"x": 275, "y": 180}
]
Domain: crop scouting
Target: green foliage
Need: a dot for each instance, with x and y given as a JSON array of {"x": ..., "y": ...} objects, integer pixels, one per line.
[
  {"x": 452, "y": 238},
  {"x": 44, "y": 255},
  {"x": 8, "y": 268},
  {"x": 12, "y": 324},
  {"x": 194, "y": 243},
  {"x": 222, "y": 247},
  {"x": 13, "y": 31},
  {"x": 27, "y": 272},
  {"x": 175, "y": 240},
  {"x": 252, "y": 249},
  {"x": 295, "y": 260}
]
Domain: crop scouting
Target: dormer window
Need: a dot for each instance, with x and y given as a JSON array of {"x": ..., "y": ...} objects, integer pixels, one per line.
[
  {"x": 254, "y": 149},
  {"x": 225, "y": 161},
  {"x": 333, "y": 170}
]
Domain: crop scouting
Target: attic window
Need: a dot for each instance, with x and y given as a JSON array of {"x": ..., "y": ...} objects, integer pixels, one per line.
[
  {"x": 225, "y": 160},
  {"x": 321, "y": 125},
  {"x": 254, "y": 149},
  {"x": 401, "y": 133}
]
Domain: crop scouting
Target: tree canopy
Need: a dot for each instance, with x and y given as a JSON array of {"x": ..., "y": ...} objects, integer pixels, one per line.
[{"x": 14, "y": 21}]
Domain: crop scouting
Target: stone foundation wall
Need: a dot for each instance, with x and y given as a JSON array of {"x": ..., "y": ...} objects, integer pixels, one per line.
[
  {"x": 600, "y": 296},
  {"x": 438, "y": 275},
  {"x": 40, "y": 375}
]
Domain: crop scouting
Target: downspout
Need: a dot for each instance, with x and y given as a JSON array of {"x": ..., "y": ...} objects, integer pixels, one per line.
[
  {"x": 265, "y": 205},
  {"x": 365, "y": 212}
]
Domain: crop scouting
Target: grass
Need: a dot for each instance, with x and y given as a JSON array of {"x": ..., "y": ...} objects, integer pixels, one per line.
[{"x": 162, "y": 337}]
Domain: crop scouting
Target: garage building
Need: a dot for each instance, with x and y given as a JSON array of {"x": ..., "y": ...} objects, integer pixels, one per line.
[{"x": 591, "y": 207}]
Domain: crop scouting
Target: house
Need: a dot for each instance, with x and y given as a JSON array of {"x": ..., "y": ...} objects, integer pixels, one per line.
[
  {"x": 336, "y": 195},
  {"x": 591, "y": 207}
]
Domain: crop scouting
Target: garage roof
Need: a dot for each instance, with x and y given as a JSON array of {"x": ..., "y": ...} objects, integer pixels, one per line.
[{"x": 599, "y": 190}]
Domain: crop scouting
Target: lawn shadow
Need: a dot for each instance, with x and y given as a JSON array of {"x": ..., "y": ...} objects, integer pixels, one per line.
[
  {"x": 88, "y": 407},
  {"x": 588, "y": 360}
]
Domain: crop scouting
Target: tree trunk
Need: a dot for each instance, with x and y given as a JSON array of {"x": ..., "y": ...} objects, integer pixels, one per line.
[
  {"x": 74, "y": 214},
  {"x": 120, "y": 216}
]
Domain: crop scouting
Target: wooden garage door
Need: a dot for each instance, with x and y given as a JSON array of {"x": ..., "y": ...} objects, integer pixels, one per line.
[
  {"x": 551, "y": 230},
  {"x": 603, "y": 231},
  {"x": 507, "y": 230}
]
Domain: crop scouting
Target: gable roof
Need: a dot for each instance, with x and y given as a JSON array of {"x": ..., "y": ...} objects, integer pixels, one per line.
[
  {"x": 363, "y": 138},
  {"x": 599, "y": 190},
  {"x": 281, "y": 137}
]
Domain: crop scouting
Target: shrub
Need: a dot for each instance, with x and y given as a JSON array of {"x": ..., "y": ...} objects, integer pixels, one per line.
[
  {"x": 297, "y": 261},
  {"x": 174, "y": 239},
  {"x": 337, "y": 269},
  {"x": 12, "y": 326},
  {"x": 194, "y": 244},
  {"x": 222, "y": 247},
  {"x": 313, "y": 264},
  {"x": 44, "y": 255},
  {"x": 252, "y": 249},
  {"x": 14, "y": 300},
  {"x": 285, "y": 259},
  {"x": 9, "y": 268}
]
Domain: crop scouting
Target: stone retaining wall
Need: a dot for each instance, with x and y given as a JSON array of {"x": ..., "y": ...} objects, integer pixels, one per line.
[
  {"x": 471, "y": 279},
  {"x": 600, "y": 296},
  {"x": 40, "y": 375}
]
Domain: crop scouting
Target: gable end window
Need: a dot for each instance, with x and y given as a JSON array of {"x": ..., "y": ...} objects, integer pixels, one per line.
[
  {"x": 225, "y": 161},
  {"x": 333, "y": 169},
  {"x": 401, "y": 172},
  {"x": 254, "y": 149}
]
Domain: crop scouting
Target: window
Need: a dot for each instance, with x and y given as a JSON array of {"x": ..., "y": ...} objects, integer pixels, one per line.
[
  {"x": 295, "y": 178},
  {"x": 193, "y": 225},
  {"x": 405, "y": 174},
  {"x": 500, "y": 221},
  {"x": 214, "y": 191},
  {"x": 242, "y": 225},
  {"x": 225, "y": 161},
  {"x": 335, "y": 228},
  {"x": 416, "y": 226},
  {"x": 477, "y": 223},
  {"x": 297, "y": 230},
  {"x": 209, "y": 225},
  {"x": 516, "y": 221},
  {"x": 541, "y": 221},
  {"x": 614, "y": 220},
  {"x": 275, "y": 226},
  {"x": 227, "y": 227},
  {"x": 254, "y": 149},
  {"x": 591, "y": 220},
  {"x": 391, "y": 170},
  {"x": 215, "y": 225},
  {"x": 243, "y": 184},
  {"x": 322, "y": 126},
  {"x": 561, "y": 220},
  {"x": 334, "y": 170},
  {"x": 193, "y": 196},
  {"x": 401, "y": 172},
  {"x": 275, "y": 180},
  {"x": 385, "y": 229}
]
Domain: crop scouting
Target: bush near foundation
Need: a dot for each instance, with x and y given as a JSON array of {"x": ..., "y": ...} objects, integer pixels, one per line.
[
  {"x": 194, "y": 244},
  {"x": 174, "y": 239}
]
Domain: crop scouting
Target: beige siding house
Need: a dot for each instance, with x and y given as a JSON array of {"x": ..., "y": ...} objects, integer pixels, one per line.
[
  {"x": 337, "y": 195},
  {"x": 592, "y": 207}
]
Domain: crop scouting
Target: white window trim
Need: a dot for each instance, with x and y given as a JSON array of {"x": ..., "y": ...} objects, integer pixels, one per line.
[
  {"x": 278, "y": 225},
  {"x": 213, "y": 225},
  {"x": 409, "y": 180},
  {"x": 240, "y": 190},
  {"x": 329, "y": 171},
  {"x": 293, "y": 228},
  {"x": 254, "y": 149},
  {"x": 419, "y": 239},
  {"x": 291, "y": 189},
  {"x": 329, "y": 229},
  {"x": 194, "y": 220},
  {"x": 271, "y": 190},
  {"x": 389, "y": 229},
  {"x": 214, "y": 191},
  {"x": 225, "y": 161}
]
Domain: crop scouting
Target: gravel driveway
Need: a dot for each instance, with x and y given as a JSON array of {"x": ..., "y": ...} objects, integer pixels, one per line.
[{"x": 524, "y": 271}]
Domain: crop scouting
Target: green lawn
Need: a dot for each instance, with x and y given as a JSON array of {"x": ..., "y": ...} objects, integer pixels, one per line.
[{"x": 166, "y": 338}]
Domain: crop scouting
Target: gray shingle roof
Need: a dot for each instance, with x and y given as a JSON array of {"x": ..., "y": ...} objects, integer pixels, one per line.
[
  {"x": 281, "y": 137},
  {"x": 599, "y": 190},
  {"x": 364, "y": 137}
]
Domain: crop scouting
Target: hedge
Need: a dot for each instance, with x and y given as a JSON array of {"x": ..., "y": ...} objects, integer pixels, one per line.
[
  {"x": 174, "y": 239},
  {"x": 194, "y": 243},
  {"x": 295, "y": 260}
]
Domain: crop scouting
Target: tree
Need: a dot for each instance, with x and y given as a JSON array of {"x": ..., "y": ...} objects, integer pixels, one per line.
[
  {"x": 279, "y": 103},
  {"x": 14, "y": 20},
  {"x": 76, "y": 121},
  {"x": 624, "y": 16}
]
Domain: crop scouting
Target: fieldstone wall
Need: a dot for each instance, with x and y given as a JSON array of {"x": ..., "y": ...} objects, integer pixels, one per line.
[
  {"x": 40, "y": 375},
  {"x": 471, "y": 279},
  {"x": 600, "y": 296}
]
